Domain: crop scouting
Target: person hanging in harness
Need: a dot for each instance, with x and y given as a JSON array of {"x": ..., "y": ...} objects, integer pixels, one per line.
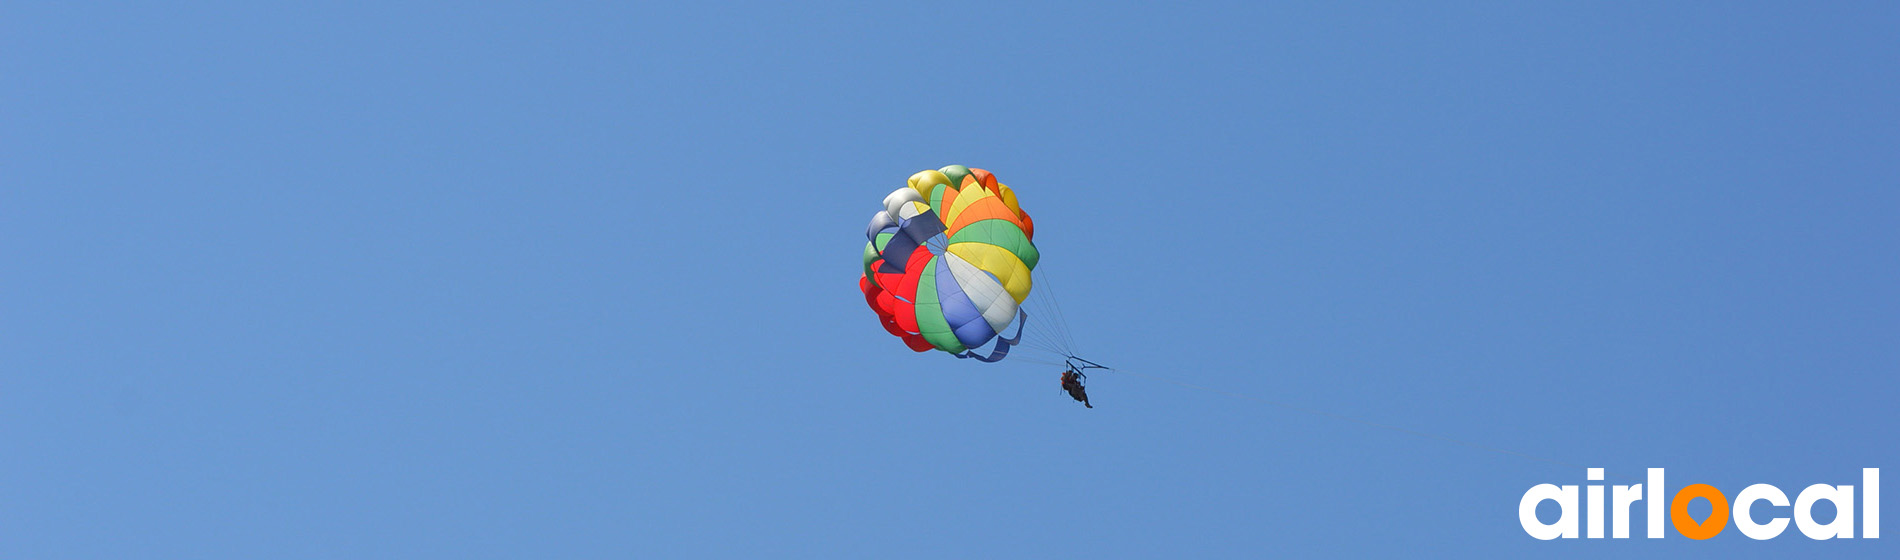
[{"x": 1072, "y": 383}]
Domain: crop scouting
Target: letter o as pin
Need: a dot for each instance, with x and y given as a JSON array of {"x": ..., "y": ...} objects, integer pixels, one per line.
[{"x": 1708, "y": 528}]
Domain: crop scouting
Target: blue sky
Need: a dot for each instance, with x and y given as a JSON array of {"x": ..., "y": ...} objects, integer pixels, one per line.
[{"x": 392, "y": 280}]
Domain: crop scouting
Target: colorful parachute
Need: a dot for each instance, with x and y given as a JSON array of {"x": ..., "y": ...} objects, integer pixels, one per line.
[{"x": 948, "y": 263}]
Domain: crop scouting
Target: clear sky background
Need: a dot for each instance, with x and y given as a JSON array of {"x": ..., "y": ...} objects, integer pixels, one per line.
[{"x": 392, "y": 280}]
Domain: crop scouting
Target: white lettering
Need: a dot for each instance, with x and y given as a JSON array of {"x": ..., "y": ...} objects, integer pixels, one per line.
[
  {"x": 1622, "y": 496},
  {"x": 1657, "y": 503},
  {"x": 1746, "y": 522},
  {"x": 1566, "y": 525},
  {"x": 1843, "y": 524}
]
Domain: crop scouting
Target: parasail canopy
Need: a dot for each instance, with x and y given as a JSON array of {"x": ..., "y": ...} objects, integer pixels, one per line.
[{"x": 948, "y": 262}]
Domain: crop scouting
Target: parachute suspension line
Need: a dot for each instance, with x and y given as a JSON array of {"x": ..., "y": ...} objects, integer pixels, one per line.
[
  {"x": 1048, "y": 332},
  {"x": 1030, "y": 334},
  {"x": 1317, "y": 412},
  {"x": 1050, "y": 354},
  {"x": 1041, "y": 347},
  {"x": 1062, "y": 319},
  {"x": 1033, "y": 340},
  {"x": 1043, "y": 354},
  {"x": 1062, "y": 315},
  {"x": 1035, "y": 361},
  {"x": 1052, "y": 334},
  {"x": 1044, "y": 333},
  {"x": 1054, "y": 330},
  {"x": 1036, "y": 298},
  {"x": 1043, "y": 338}
]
